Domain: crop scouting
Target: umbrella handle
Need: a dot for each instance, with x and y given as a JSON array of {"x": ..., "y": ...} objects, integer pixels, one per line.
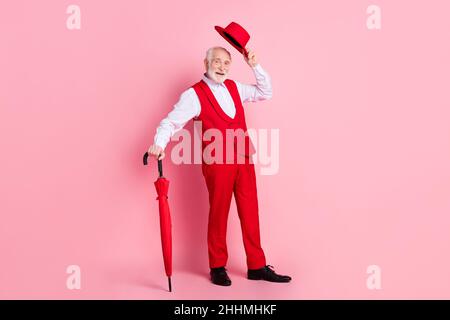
[
  {"x": 145, "y": 158},
  {"x": 160, "y": 169}
]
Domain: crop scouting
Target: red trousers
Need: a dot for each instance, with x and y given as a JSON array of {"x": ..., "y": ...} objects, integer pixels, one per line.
[{"x": 222, "y": 181}]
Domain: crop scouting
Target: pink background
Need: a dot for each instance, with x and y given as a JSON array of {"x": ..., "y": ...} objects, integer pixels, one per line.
[{"x": 364, "y": 148}]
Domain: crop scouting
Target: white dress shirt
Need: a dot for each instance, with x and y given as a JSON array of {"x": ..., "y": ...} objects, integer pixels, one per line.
[{"x": 188, "y": 106}]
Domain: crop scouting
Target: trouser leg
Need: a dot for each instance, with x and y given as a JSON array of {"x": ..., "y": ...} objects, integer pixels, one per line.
[
  {"x": 247, "y": 204},
  {"x": 220, "y": 181}
]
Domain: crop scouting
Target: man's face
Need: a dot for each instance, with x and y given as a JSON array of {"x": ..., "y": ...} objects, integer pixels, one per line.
[{"x": 219, "y": 66}]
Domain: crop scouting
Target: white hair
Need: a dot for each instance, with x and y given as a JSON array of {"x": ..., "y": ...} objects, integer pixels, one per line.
[{"x": 209, "y": 53}]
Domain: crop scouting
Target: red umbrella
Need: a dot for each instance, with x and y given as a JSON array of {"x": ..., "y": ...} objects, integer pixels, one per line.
[{"x": 162, "y": 188}]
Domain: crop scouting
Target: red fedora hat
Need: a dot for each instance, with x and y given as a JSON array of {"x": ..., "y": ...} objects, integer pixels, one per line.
[{"x": 235, "y": 35}]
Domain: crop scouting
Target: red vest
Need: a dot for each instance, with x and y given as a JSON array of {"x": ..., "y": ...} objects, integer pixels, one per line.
[{"x": 213, "y": 117}]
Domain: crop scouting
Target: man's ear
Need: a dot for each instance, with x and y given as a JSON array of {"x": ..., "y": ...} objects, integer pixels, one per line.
[{"x": 205, "y": 61}]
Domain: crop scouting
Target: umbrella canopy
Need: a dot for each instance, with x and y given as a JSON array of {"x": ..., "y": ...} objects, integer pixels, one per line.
[{"x": 162, "y": 189}]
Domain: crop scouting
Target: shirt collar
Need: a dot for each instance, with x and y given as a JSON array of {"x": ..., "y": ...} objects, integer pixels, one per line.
[{"x": 212, "y": 83}]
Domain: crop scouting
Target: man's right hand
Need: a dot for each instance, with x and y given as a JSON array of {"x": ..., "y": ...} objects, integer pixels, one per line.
[{"x": 157, "y": 152}]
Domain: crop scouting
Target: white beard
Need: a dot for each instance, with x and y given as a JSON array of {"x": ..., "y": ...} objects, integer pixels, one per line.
[{"x": 212, "y": 75}]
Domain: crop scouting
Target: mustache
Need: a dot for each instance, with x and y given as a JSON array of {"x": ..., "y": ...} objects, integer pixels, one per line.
[{"x": 216, "y": 74}]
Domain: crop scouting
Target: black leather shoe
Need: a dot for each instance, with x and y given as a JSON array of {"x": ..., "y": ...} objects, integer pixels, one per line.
[
  {"x": 220, "y": 277},
  {"x": 266, "y": 273}
]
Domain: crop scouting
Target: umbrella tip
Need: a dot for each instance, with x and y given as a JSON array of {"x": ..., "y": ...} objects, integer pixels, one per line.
[{"x": 170, "y": 284}]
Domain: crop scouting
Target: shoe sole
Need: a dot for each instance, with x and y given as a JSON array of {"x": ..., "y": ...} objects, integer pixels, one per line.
[
  {"x": 259, "y": 278},
  {"x": 222, "y": 284}
]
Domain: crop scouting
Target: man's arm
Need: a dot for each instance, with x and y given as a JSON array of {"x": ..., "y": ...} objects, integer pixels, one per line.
[
  {"x": 187, "y": 107},
  {"x": 263, "y": 88},
  {"x": 261, "y": 91}
]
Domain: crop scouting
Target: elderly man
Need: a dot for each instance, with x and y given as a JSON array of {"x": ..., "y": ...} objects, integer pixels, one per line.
[{"x": 217, "y": 103}]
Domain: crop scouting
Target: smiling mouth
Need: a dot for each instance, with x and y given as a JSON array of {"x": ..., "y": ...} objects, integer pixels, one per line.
[{"x": 222, "y": 74}]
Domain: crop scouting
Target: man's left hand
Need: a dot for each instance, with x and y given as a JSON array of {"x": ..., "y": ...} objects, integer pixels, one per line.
[{"x": 251, "y": 58}]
